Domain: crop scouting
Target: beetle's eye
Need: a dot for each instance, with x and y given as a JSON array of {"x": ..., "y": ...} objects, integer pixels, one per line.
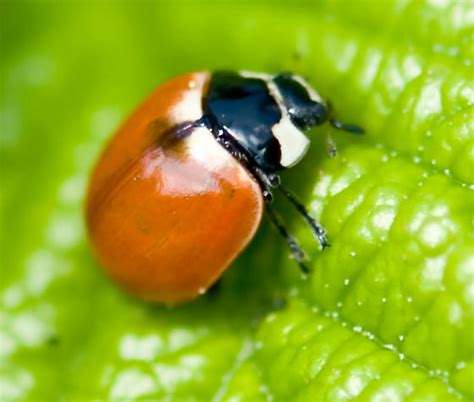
[
  {"x": 304, "y": 111},
  {"x": 307, "y": 117}
]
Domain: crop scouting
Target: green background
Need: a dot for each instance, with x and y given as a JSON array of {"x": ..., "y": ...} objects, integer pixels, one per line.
[{"x": 388, "y": 313}]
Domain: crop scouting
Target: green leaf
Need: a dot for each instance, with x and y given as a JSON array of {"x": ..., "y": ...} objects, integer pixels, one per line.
[{"x": 388, "y": 313}]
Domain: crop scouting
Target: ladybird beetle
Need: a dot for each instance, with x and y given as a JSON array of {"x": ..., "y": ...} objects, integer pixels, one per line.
[{"x": 180, "y": 190}]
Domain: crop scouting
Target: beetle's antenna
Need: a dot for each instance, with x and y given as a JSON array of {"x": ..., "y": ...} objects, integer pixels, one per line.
[
  {"x": 351, "y": 128},
  {"x": 295, "y": 248},
  {"x": 318, "y": 231}
]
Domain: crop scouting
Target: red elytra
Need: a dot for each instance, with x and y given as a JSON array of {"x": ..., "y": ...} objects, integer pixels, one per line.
[{"x": 166, "y": 219}]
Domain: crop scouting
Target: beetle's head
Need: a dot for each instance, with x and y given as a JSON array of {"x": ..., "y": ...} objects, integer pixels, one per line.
[{"x": 305, "y": 106}]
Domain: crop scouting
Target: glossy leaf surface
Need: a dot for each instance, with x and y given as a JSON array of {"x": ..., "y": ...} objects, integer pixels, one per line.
[{"x": 388, "y": 313}]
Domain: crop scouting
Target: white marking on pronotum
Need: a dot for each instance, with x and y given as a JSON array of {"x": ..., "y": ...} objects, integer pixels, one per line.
[{"x": 293, "y": 143}]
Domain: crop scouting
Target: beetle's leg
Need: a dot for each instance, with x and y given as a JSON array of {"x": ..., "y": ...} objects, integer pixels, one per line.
[
  {"x": 318, "y": 231},
  {"x": 296, "y": 251},
  {"x": 266, "y": 181}
]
